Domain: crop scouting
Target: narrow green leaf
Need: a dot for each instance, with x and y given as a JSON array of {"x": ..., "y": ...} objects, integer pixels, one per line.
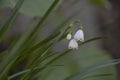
[
  {"x": 30, "y": 7},
  {"x": 13, "y": 54},
  {"x": 36, "y": 7},
  {"x": 93, "y": 39},
  {"x": 10, "y": 20},
  {"x": 49, "y": 38},
  {"x": 28, "y": 70}
]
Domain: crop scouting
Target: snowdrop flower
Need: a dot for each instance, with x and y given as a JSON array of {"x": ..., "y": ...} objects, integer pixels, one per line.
[
  {"x": 69, "y": 36},
  {"x": 79, "y": 35},
  {"x": 73, "y": 44}
]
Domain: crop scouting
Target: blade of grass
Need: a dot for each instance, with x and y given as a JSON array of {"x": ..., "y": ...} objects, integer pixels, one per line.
[
  {"x": 40, "y": 45},
  {"x": 93, "y": 39},
  {"x": 10, "y": 20},
  {"x": 44, "y": 17},
  {"x": 28, "y": 70},
  {"x": 38, "y": 54},
  {"x": 49, "y": 38},
  {"x": 37, "y": 59},
  {"x": 26, "y": 52},
  {"x": 13, "y": 54}
]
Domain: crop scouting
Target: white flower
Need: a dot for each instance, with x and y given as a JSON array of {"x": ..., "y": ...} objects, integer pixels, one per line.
[
  {"x": 73, "y": 44},
  {"x": 69, "y": 36},
  {"x": 79, "y": 35}
]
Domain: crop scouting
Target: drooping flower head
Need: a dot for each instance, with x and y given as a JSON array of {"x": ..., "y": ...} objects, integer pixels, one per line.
[
  {"x": 79, "y": 35},
  {"x": 69, "y": 36},
  {"x": 73, "y": 44}
]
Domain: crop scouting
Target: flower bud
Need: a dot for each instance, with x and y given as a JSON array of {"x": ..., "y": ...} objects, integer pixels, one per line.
[{"x": 69, "y": 36}]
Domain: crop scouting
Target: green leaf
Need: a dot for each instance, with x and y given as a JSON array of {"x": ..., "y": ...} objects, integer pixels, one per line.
[
  {"x": 36, "y": 7},
  {"x": 14, "y": 53},
  {"x": 31, "y": 7},
  {"x": 92, "y": 39},
  {"x": 10, "y": 20},
  {"x": 28, "y": 70}
]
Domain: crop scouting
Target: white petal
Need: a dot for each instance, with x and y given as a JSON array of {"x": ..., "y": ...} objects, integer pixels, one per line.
[
  {"x": 69, "y": 36},
  {"x": 73, "y": 44},
  {"x": 79, "y": 36}
]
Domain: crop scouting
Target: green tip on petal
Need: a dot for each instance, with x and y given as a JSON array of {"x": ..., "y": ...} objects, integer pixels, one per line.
[{"x": 81, "y": 27}]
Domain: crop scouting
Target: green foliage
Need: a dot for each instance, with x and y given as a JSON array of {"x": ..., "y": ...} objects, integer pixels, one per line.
[
  {"x": 40, "y": 60},
  {"x": 36, "y": 7},
  {"x": 8, "y": 23},
  {"x": 30, "y": 7}
]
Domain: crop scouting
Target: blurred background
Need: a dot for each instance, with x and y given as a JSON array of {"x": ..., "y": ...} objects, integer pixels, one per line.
[{"x": 98, "y": 17}]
